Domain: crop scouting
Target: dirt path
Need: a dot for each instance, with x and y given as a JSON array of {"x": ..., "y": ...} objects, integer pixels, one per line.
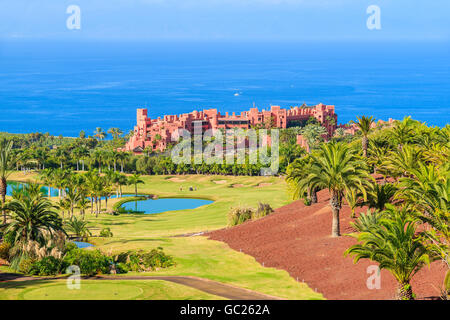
[
  {"x": 205, "y": 285},
  {"x": 297, "y": 239}
]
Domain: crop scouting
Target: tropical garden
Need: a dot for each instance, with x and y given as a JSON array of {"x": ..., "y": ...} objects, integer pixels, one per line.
[{"x": 399, "y": 174}]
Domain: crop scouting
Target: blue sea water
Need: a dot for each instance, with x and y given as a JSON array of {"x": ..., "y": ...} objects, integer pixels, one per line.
[{"x": 66, "y": 87}]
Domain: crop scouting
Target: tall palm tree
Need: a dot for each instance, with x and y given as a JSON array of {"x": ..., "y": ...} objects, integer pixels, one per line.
[
  {"x": 72, "y": 196},
  {"x": 337, "y": 168},
  {"x": 7, "y": 160},
  {"x": 115, "y": 132},
  {"x": 135, "y": 179},
  {"x": 121, "y": 181},
  {"x": 99, "y": 134},
  {"x": 83, "y": 204},
  {"x": 122, "y": 157},
  {"x": 364, "y": 124},
  {"x": 98, "y": 155},
  {"x": 394, "y": 244}
]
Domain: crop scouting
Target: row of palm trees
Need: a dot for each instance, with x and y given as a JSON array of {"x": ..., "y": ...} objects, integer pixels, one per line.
[
  {"x": 412, "y": 160},
  {"x": 86, "y": 190}
]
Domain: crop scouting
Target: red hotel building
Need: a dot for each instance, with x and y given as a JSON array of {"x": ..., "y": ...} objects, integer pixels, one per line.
[{"x": 157, "y": 133}]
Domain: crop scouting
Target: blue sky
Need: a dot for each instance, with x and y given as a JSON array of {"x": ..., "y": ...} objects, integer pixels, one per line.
[{"x": 225, "y": 19}]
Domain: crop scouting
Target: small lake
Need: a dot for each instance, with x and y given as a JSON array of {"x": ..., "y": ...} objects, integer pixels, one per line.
[
  {"x": 53, "y": 192},
  {"x": 151, "y": 206},
  {"x": 82, "y": 245},
  {"x": 19, "y": 185}
]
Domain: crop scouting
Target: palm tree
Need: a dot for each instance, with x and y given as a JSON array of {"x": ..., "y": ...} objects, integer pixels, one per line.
[
  {"x": 364, "y": 124},
  {"x": 379, "y": 195},
  {"x": 122, "y": 157},
  {"x": 428, "y": 191},
  {"x": 115, "y": 132},
  {"x": 337, "y": 168},
  {"x": 295, "y": 174},
  {"x": 121, "y": 181},
  {"x": 83, "y": 204},
  {"x": 78, "y": 227},
  {"x": 31, "y": 216},
  {"x": 377, "y": 156},
  {"x": 63, "y": 205},
  {"x": 402, "y": 132},
  {"x": 393, "y": 243},
  {"x": 72, "y": 196},
  {"x": 99, "y": 134},
  {"x": 353, "y": 198},
  {"x": 7, "y": 160},
  {"x": 401, "y": 162},
  {"x": 99, "y": 156},
  {"x": 135, "y": 179},
  {"x": 313, "y": 134},
  {"x": 47, "y": 179}
]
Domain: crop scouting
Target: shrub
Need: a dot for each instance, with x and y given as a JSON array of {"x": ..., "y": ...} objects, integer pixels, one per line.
[
  {"x": 25, "y": 265},
  {"x": 106, "y": 233},
  {"x": 46, "y": 266},
  {"x": 239, "y": 215},
  {"x": 90, "y": 262},
  {"x": 263, "y": 210},
  {"x": 4, "y": 250},
  {"x": 149, "y": 261},
  {"x": 121, "y": 268},
  {"x": 69, "y": 246}
]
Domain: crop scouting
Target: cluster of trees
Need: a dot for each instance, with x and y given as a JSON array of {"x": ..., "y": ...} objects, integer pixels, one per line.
[
  {"x": 87, "y": 190},
  {"x": 407, "y": 222},
  {"x": 40, "y": 151}
]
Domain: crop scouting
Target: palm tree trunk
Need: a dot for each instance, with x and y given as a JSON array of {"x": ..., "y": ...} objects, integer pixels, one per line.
[
  {"x": 404, "y": 291},
  {"x": 335, "y": 208},
  {"x": 365, "y": 145},
  {"x": 314, "y": 196},
  {"x": 3, "y": 186},
  {"x": 135, "y": 190}
]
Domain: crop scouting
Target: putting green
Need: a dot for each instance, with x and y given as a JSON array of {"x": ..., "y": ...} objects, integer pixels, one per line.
[
  {"x": 101, "y": 290},
  {"x": 87, "y": 291}
]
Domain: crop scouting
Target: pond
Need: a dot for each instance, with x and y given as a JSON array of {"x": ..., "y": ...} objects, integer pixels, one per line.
[
  {"x": 82, "y": 245},
  {"x": 151, "y": 206},
  {"x": 19, "y": 185},
  {"x": 45, "y": 190}
]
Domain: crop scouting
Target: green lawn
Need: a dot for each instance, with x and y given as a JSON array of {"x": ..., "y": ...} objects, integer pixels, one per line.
[
  {"x": 101, "y": 290},
  {"x": 198, "y": 256}
]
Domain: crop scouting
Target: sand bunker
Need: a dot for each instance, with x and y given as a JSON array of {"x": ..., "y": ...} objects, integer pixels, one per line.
[
  {"x": 239, "y": 185},
  {"x": 176, "y": 180},
  {"x": 264, "y": 184},
  {"x": 220, "y": 181}
]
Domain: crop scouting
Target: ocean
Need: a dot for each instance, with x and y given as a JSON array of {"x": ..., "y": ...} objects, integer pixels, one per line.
[{"x": 65, "y": 87}]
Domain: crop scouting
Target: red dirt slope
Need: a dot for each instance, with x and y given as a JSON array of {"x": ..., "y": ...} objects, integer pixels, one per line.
[{"x": 297, "y": 239}]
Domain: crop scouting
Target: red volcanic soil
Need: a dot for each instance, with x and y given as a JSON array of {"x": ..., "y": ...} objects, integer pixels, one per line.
[{"x": 297, "y": 239}]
